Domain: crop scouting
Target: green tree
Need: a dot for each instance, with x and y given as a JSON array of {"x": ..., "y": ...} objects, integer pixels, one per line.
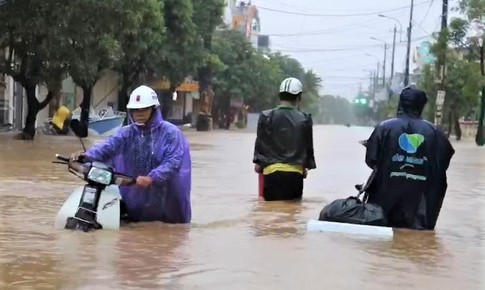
[
  {"x": 89, "y": 43},
  {"x": 254, "y": 77},
  {"x": 362, "y": 109},
  {"x": 311, "y": 85},
  {"x": 429, "y": 86},
  {"x": 471, "y": 8},
  {"x": 233, "y": 79},
  {"x": 182, "y": 46},
  {"x": 207, "y": 19},
  {"x": 462, "y": 80},
  {"x": 143, "y": 40},
  {"x": 265, "y": 78},
  {"x": 335, "y": 110},
  {"x": 29, "y": 30}
]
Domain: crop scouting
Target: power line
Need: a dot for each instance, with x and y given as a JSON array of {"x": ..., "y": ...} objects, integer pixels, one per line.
[
  {"x": 312, "y": 49},
  {"x": 322, "y": 62},
  {"x": 338, "y": 15},
  {"x": 326, "y": 31},
  {"x": 426, "y": 14},
  {"x": 301, "y": 50},
  {"x": 345, "y": 77}
]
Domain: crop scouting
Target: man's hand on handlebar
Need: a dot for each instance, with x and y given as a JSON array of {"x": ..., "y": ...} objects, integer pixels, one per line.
[
  {"x": 77, "y": 156},
  {"x": 144, "y": 181}
]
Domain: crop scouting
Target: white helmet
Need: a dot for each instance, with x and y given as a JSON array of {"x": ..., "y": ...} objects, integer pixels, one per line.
[
  {"x": 291, "y": 85},
  {"x": 143, "y": 97}
]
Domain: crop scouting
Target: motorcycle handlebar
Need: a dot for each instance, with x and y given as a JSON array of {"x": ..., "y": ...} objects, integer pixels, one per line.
[
  {"x": 119, "y": 178},
  {"x": 62, "y": 158},
  {"x": 123, "y": 179}
]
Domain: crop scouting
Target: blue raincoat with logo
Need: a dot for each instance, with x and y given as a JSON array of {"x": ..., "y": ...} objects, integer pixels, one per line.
[
  {"x": 411, "y": 157},
  {"x": 161, "y": 151}
]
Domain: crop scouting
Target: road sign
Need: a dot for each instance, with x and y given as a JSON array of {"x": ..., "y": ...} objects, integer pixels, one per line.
[{"x": 440, "y": 98}]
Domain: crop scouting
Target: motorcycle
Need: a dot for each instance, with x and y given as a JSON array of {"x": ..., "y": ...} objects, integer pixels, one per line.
[{"x": 97, "y": 204}]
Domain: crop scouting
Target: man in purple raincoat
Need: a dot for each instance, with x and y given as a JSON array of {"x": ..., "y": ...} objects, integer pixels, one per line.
[{"x": 155, "y": 152}]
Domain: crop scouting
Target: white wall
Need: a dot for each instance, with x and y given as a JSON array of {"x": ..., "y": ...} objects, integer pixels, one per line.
[
  {"x": 189, "y": 103},
  {"x": 106, "y": 90},
  {"x": 9, "y": 96}
]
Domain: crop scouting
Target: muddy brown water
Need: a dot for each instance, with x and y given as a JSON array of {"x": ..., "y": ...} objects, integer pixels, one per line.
[{"x": 234, "y": 241}]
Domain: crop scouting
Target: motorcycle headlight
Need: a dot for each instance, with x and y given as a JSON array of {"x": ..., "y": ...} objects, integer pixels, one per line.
[{"x": 99, "y": 175}]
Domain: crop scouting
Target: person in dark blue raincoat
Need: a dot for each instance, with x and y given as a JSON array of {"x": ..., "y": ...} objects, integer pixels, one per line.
[
  {"x": 157, "y": 153},
  {"x": 410, "y": 156}
]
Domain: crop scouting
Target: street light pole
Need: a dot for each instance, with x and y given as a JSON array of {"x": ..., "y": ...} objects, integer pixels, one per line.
[
  {"x": 408, "y": 50},
  {"x": 384, "y": 67},
  {"x": 398, "y": 22},
  {"x": 478, "y": 26},
  {"x": 480, "y": 136},
  {"x": 393, "y": 52},
  {"x": 391, "y": 78},
  {"x": 384, "y": 63}
]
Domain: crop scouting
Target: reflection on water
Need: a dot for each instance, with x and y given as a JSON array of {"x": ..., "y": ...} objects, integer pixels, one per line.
[
  {"x": 235, "y": 241},
  {"x": 279, "y": 219},
  {"x": 153, "y": 261}
]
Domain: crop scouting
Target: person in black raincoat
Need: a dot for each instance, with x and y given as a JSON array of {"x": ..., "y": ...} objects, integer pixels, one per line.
[
  {"x": 283, "y": 149},
  {"x": 410, "y": 157}
]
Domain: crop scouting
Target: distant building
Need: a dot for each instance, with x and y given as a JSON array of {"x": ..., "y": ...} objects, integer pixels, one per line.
[{"x": 244, "y": 17}]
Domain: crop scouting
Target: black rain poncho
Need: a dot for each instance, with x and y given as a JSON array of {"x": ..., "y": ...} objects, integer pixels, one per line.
[
  {"x": 411, "y": 156},
  {"x": 284, "y": 136}
]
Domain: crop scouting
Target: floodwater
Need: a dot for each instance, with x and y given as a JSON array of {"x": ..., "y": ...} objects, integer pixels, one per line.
[{"x": 234, "y": 241}]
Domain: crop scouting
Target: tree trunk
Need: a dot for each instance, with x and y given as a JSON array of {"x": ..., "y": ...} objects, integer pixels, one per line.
[
  {"x": 450, "y": 122},
  {"x": 33, "y": 108},
  {"x": 166, "y": 103},
  {"x": 123, "y": 93},
  {"x": 85, "y": 109},
  {"x": 457, "y": 126},
  {"x": 123, "y": 96}
]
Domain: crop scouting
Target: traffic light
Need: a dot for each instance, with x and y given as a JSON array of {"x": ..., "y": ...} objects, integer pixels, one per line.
[{"x": 360, "y": 101}]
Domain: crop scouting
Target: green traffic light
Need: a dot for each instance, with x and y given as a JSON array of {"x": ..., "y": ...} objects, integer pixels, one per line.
[{"x": 360, "y": 101}]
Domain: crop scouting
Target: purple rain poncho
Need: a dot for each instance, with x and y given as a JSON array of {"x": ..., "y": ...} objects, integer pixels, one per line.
[{"x": 160, "y": 151}]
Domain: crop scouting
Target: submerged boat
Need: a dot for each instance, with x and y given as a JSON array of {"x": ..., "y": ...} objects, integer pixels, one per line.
[{"x": 104, "y": 123}]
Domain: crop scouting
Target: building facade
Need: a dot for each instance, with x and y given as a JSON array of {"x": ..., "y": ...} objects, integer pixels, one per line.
[{"x": 244, "y": 17}]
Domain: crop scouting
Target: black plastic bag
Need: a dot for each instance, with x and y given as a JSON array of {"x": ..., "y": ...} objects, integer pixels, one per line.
[{"x": 353, "y": 211}]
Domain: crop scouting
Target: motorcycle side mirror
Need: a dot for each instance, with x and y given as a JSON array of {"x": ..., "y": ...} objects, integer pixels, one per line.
[{"x": 79, "y": 129}]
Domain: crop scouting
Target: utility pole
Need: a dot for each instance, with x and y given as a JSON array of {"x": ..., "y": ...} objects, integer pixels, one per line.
[
  {"x": 371, "y": 82},
  {"x": 392, "y": 66},
  {"x": 393, "y": 52},
  {"x": 377, "y": 75},
  {"x": 374, "y": 85},
  {"x": 479, "y": 138},
  {"x": 408, "y": 51},
  {"x": 444, "y": 15},
  {"x": 441, "y": 71},
  {"x": 384, "y": 67}
]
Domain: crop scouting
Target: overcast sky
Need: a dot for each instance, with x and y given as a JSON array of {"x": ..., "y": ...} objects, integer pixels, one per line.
[{"x": 340, "y": 49}]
